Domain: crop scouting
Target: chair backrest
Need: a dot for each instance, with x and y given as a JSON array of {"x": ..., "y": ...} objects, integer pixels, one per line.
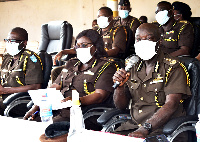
[
  {"x": 195, "y": 21},
  {"x": 192, "y": 104},
  {"x": 56, "y": 36},
  {"x": 47, "y": 66}
]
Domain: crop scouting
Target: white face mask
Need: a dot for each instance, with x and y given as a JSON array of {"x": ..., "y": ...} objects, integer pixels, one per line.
[
  {"x": 145, "y": 49},
  {"x": 83, "y": 54},
  {"x": 162, "y": 17},
  {"x": 123, "y": 13},
  {"x": 12, "y": 48},
  {"x": 102, "y": 21}
]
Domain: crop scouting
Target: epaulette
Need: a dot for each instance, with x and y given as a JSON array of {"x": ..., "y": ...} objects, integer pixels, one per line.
[
  {"x": 170, "y": 61},
  {"x": 183, "y": 21}
]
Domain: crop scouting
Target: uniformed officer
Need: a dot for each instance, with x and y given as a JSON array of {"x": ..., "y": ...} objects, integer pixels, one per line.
[
  {"x": 21, "y": 69},
  {"x": 90, "y": 74},
  {"x": 125, "y": 19},
  {"x": 157, "y": 85},
  {"x": 114, "y": 38},
  {"x": 182, "y": 11},
  {"x": 177, "y": 37}
]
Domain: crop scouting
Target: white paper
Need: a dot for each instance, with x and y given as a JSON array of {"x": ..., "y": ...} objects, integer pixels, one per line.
[{"x": 54, "y": 97}]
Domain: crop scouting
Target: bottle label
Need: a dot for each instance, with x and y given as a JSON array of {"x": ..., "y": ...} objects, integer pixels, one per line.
[{"x": 46, "y": 111}]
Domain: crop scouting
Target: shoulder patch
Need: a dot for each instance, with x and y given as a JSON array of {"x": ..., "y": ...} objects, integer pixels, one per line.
[{"x": 33, "y": 58}]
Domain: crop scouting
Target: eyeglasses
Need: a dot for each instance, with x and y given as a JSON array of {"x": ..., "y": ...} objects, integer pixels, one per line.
[
  {"x": 83, "y": 45},
  {"x": 12, "y": 40}
]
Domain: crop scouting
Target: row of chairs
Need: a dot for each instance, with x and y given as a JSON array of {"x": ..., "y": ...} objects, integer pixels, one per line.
[{"x": 57, "y": 36}]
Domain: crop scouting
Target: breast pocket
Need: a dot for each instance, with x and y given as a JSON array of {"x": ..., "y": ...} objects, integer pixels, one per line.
[
  {"x": 19, "y": 76},
  {"x": 157, "y": 90}
]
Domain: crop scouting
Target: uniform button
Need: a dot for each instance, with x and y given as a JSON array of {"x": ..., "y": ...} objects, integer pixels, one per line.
[
  {"x": 139, "y": 125},
  {"x": 131, "y": 87},
  {"x": 142, "y": 98},
  {"x": 140, "y": 111},
  {"x": 145, "y": 85},
  {"x": 75, "y": 73}
]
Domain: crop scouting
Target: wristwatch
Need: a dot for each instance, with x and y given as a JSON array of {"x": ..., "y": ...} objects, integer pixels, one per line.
[{"x": 148, "y": 126}]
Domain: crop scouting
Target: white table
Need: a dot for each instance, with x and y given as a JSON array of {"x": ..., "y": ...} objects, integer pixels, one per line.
[{"x": 18, "y": 130}]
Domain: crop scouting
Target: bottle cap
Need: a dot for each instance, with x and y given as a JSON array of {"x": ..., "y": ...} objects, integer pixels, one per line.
[{"x": 75, "y": 98}]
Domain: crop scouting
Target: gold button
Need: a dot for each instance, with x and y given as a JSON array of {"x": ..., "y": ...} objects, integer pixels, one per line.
[
  {"x": 139, "y": 125},
  {"x": 140, "y": 111},
  {"x": 131, "y": 87},
  {"x": 141, "y": 98},
  {"x": 145, "y": 85}
]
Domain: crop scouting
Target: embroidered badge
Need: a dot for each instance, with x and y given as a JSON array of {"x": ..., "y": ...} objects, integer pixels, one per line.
[
  {"x": 157, "y": 79},
  {"x": 33, "y": 58}
]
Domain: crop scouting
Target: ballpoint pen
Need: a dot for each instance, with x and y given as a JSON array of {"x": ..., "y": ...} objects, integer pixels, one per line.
[{"x": 31, "y": 117}]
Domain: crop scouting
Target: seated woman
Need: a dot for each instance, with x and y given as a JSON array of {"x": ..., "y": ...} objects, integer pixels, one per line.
[{"x": 90, "y": 74}]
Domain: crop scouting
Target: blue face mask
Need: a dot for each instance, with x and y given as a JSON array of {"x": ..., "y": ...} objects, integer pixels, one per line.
[{"x": 123, "y": 13}]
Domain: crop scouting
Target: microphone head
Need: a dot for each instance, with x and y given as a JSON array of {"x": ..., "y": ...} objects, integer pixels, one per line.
[{"x": 130, "y": 61}]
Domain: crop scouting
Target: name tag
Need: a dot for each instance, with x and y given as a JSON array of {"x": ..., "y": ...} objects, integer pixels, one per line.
[{"x": 89, "y": 72}]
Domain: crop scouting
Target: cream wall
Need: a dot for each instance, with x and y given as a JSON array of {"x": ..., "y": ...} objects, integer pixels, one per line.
[{"x": 31, "y": 14}]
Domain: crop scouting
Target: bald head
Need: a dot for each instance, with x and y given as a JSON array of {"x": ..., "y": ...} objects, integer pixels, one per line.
[{"x": 147, "y": 31}]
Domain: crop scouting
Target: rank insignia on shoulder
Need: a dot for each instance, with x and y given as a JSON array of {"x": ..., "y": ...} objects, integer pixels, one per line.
[
  {"x": 28, "y": 52},
  {"x": 173, "y": 62},
  {"x": 33, "y": 58}
]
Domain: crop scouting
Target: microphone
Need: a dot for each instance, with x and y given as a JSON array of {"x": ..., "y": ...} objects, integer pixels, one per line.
[{"x": 131, "y": 61}]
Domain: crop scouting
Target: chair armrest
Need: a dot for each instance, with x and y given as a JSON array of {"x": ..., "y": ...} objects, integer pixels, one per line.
[
  {"x": 30, "y": 104},
  {"x": 15, "y": 96},
  {"x": 106, "y": 116},
  {"x": 175, "y": 123}
]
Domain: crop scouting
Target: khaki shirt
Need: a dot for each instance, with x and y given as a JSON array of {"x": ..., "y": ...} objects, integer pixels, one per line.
[
  {"x": 98, "y": 75},
  {"x": 115, "y": 37},
  {"x": 180, "y": 34},
  {"x": 131, "y": 22},
  {"x": 149, "y": 92},
  {"x": 26, "y": 70}
]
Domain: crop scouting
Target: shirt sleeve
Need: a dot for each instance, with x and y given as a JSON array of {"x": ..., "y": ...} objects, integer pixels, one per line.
[
  {"x": 186, "y": 36},
  {"x": 119, "y": 39},
  {"x": 105, "y": 81},
  {"x": 34, "y": 73},
  {"x": 177, "y": 83}
]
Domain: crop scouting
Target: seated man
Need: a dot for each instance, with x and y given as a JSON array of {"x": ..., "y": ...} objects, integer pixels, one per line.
[
  {"x": 21, "y": 69},
  {"x": 157, "y": 85},
  {"x": 90, "y": 74},
  {"x": 177, "y": 36}
]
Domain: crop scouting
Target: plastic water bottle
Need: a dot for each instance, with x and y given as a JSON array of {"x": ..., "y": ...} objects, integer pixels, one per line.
[
  {"x": 77, "y": 125},
  {"x": 46, "y": 111},
  {"x": 198, "y": 129}
]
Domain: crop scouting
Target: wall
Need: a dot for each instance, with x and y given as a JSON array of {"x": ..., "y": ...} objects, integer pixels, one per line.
[{"x": 31, "y": 14}]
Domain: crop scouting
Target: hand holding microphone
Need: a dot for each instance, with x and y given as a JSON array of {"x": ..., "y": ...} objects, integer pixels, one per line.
[{"x": 121, "y": 76}]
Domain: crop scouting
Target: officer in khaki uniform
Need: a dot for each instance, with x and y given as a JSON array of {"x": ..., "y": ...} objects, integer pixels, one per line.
[
  {"x": 177, "y": 36},
  {"x": 90, "y": 74},
  {"x": 114, "y": 37},
  {"x": 21, "y": 69},
  {"x": 157, "y": 86},
  {"x": 124, "y": 19}
]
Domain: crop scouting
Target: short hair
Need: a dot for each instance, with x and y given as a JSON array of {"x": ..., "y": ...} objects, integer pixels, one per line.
[
  {"x": 151, "y": 28},
  {"x": 96, "y": 39},
  {"x": 21, "y": 32},
  {"x": 183, "y": 8},
  {"x": 108, "y": 10},
  {"x": 167, "y": 3}
]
